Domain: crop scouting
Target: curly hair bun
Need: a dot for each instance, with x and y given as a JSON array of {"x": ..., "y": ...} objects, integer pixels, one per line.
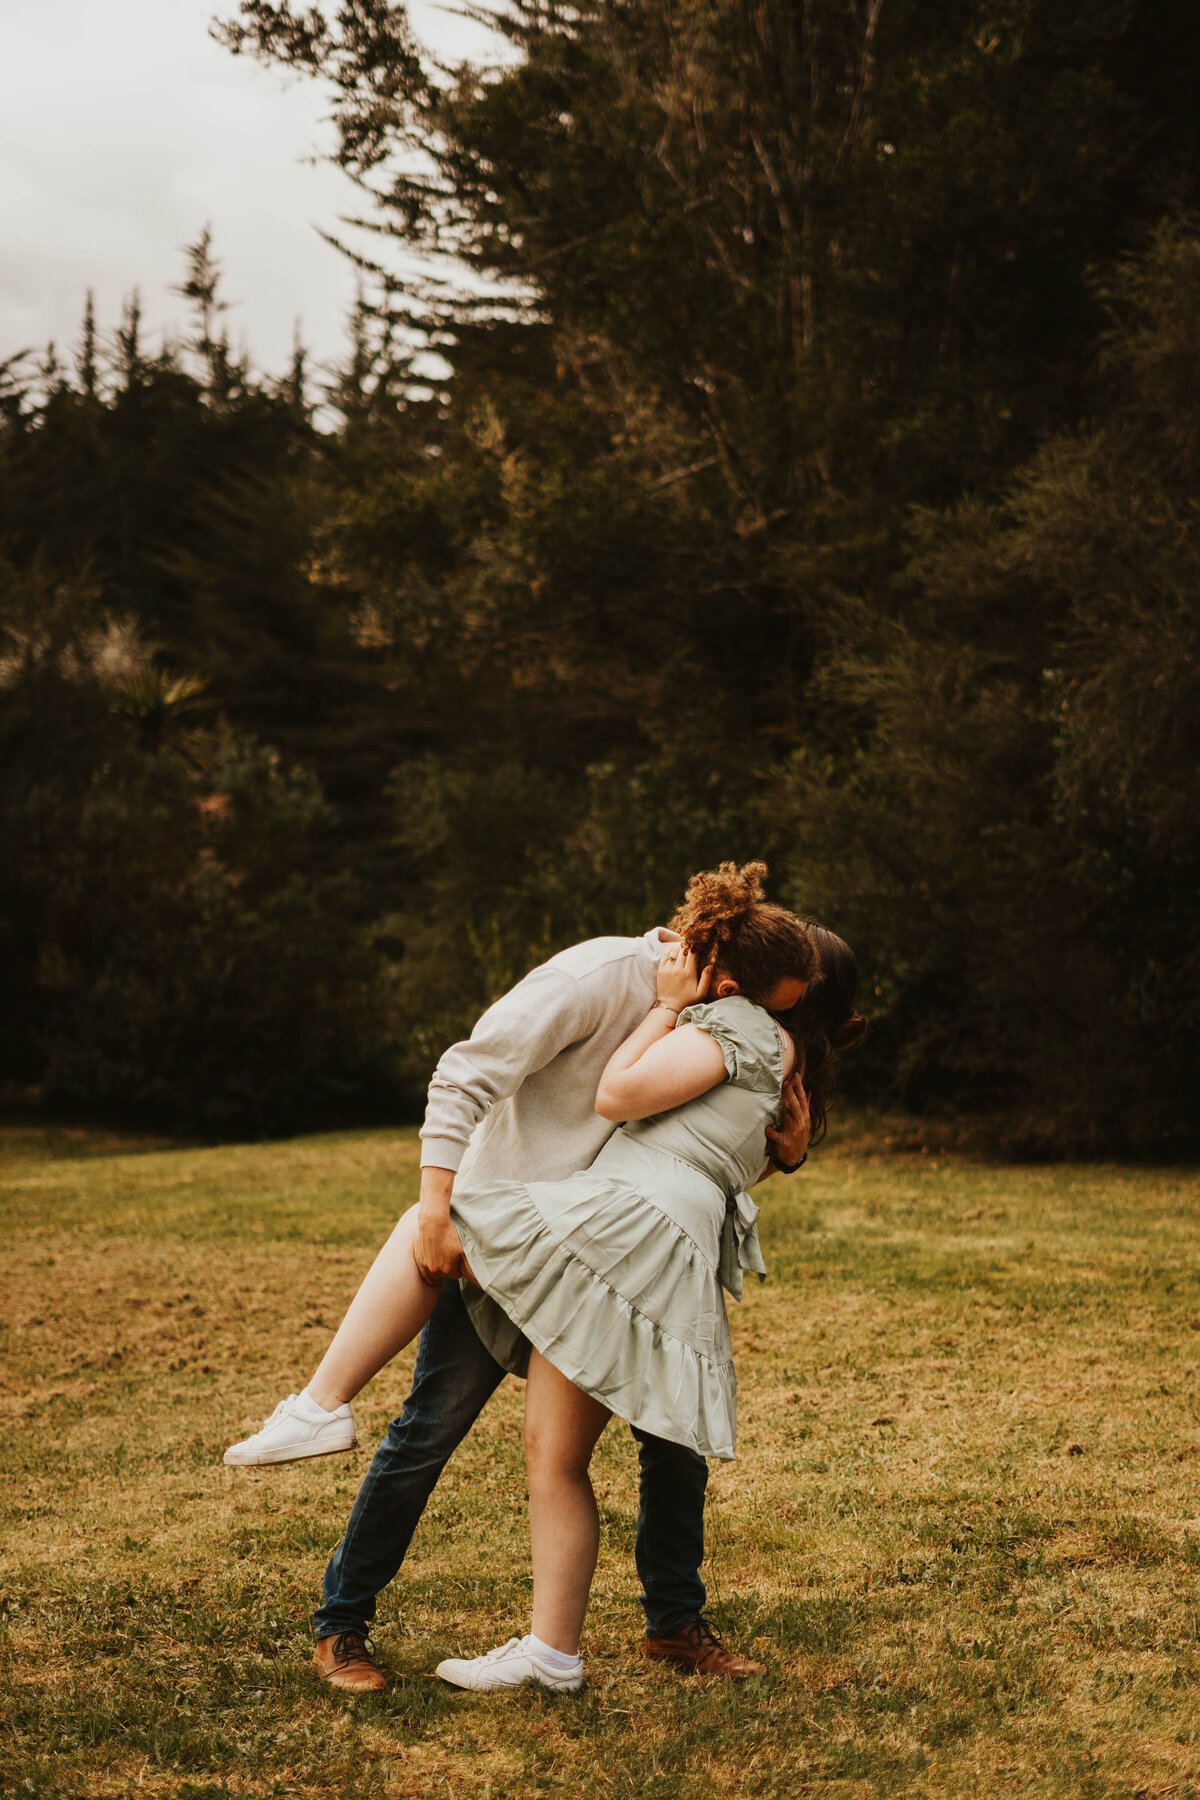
[
  {"x": 850, "y": 1032},
  {"x": 717, "y": 900},
  {"x": 726, "y": 921}
]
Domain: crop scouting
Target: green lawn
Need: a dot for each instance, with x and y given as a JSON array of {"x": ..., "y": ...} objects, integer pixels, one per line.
[{"x": 962, "y": 1529}]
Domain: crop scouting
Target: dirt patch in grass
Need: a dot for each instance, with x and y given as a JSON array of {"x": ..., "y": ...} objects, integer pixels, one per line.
[{"x": 963, "y": 1529}]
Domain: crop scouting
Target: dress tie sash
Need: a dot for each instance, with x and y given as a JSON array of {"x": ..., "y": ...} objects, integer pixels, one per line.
[{"x": 740, "y": 1247}]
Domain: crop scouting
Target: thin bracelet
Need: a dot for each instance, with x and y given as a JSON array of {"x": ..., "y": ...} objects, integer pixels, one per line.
[
  {"x": 790, "y": 1168},
  {"x": 667, "y": 1007}
]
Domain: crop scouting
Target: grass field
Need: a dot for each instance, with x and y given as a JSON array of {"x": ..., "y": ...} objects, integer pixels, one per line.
[{"x": 963, "y": 1527}]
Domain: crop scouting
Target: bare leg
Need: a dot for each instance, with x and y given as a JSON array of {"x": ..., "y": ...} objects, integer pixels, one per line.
[
  {"x": 388, "y": 1311},
  {"x": 562, "y": 1428}
]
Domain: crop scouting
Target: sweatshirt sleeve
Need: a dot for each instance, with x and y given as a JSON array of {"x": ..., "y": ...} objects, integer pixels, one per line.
[{"x": 521, "y": 1033}]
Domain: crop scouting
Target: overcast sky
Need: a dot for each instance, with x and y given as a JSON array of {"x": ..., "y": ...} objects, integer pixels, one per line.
[{"x": 124, "y": 130}]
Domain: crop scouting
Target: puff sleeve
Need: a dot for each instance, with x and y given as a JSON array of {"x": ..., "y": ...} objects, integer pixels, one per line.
[{"x": 748, "y": 1038}]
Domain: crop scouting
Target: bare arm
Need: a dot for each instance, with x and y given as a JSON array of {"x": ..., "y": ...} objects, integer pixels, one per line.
[
  {"x": 666, "y": 1068},
  {"x": 658, "y": 1067}
]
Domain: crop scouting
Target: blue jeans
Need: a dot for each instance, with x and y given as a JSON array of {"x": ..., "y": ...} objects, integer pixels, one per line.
[{"x": 453, "y": 1380}]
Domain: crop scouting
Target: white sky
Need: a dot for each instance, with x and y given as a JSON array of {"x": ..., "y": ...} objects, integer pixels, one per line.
[{"x": 124, "y": 130}]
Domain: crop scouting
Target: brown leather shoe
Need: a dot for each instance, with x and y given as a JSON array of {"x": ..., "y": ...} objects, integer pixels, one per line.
[
  {"x": 345, "y": 1662},
  {"x": 698, "y": 1648}
]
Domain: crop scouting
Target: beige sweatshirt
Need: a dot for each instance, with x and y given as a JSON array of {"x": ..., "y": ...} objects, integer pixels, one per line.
[{"x": 516, "y": 1100}]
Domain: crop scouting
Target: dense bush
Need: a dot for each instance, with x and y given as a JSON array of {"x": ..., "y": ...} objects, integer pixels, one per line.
[
  {"x": 1018, "y": 835},
  {"x": 173, "y": 948}
]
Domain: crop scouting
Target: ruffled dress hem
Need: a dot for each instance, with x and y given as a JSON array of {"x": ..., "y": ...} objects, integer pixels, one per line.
[{"x": 579, "y": 1321}]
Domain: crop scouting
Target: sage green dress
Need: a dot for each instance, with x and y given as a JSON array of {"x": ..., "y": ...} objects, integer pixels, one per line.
[{"x": 615, "y": 1274}]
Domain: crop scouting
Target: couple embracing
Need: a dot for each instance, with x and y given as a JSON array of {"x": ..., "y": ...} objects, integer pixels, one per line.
[{"x": 585, "y": 1160}]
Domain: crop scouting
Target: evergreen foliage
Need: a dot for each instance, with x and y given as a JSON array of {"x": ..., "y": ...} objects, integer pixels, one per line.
[
  {"x": 1018, "y": 836},
  {"x": 802, "y": 463},
  {"x": 185, "y": 934}
]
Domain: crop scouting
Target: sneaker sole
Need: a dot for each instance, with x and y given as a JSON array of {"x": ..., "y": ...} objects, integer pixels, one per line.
[
  {"x": 284, "y": 1456},
  {"x": 509, "y": 1687}
]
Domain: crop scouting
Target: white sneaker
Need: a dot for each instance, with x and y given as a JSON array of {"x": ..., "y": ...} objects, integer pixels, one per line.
[
  {"x": 290, "y": 1433},
  {"x": 510, "y": 1666}
]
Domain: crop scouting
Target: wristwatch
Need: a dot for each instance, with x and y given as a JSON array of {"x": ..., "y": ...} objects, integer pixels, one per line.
[{"x": 789, "y": 1168}]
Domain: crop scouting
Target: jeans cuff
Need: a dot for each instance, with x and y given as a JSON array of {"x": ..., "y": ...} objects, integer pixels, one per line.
[
  {"x": 325, "y": 1630},
  {"x": 670, "y": 1623}
]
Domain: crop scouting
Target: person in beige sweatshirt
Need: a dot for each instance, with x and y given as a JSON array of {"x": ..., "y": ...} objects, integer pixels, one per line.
[{"x": 516, "y": 1101}]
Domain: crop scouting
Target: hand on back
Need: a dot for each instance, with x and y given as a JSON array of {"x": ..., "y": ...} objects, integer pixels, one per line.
[{"x": 788, "y": 1142}]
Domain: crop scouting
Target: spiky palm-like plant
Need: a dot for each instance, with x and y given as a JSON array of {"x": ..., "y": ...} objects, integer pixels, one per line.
[{"x": 158, "y": 704}]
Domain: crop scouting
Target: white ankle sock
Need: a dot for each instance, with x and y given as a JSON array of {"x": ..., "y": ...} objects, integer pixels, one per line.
[
  {"x": 310, "y": 1410},
  {"x": 556, "y": 1659}
]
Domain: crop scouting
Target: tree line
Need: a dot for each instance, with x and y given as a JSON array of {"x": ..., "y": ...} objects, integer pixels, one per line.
[{"x": 790, "y": 449}]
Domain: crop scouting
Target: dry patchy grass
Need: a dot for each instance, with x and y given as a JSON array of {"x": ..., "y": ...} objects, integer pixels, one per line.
[{"x": 963, "y": 1527}]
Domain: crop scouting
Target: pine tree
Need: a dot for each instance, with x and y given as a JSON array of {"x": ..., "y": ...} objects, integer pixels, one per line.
[
  {"x": 87, "y": 362},
  {"x": 202, "y": 287},
  {"x": 1018, "y": 837},
  {"x": 129, "y": 341}
]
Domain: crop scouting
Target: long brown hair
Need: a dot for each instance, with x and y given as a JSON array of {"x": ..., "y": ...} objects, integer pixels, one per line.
[
  {"x": 726, "y": 920},
  {"x": 826, "y": 1021}
]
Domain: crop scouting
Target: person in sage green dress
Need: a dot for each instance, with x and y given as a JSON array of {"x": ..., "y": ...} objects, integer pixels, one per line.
[{"x": 609, "y": 1282}]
